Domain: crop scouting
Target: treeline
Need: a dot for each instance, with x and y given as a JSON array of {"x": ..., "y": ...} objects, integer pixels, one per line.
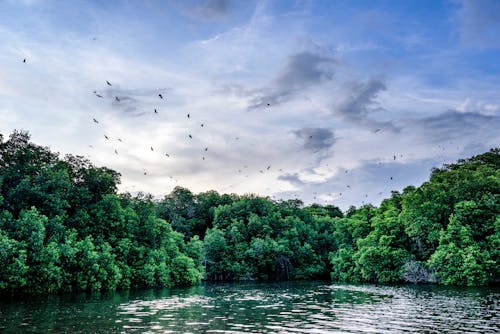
[{"x": 63, "y": 227}]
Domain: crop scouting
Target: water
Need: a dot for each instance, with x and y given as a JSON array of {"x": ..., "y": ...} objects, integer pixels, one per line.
[{"x": 307, "y": 307}]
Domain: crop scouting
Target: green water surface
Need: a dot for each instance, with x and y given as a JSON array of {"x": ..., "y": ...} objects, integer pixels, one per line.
[{"x": 299, "y": 307}]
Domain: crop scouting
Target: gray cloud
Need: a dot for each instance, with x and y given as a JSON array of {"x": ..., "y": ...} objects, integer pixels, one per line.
[
  {"x": 370, "y": 182},
  {"x": 304, "y": 69},
  {"x": 292, "y": 179},
  {"x": 315, "y": 139},
  {"x": 132, "y": 102},
  {"x": 361, "y": 103},
  {"x": 301, "y": 70},
  {"x": 480, "y": 23},
  {"x": 207, "y": 9},
  {"x": 454, "y": 124}
]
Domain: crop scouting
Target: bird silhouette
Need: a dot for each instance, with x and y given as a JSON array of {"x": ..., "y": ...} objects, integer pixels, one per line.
[
  {"x": 24, "y": 60},
  {"x": 98, "y": 95},
  {"x": 96, "y": 121},
  {"x": 161, "y": 96},
  {"x": 394, "y": 157},
  {"x": 167, "y": 155},
  {"x": 190, "y": 136},
  {"x": 201, "y": 124},
  {"x": 268, "y": 167},
  {"x": 106, "y": 137},
  {"x": 189, "y": 116},
  {"x": 391, "y": 177},
  {"x": 156, "y": 111},
  {"x": 108, "y": 83},
  {"x": 376, "y": 130},
  {"x": 117, "y": 98},
  {"x": 152, "y": 148},
  {"x": 119, "y": 139},
  {"x": 203, "y": 158},
  {"x": 206, "y": 149},
  {"x": 116, "y": 152}
]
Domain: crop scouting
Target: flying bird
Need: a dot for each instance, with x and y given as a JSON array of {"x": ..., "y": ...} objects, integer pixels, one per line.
[
  {"x": 106, "y": 137},
  {"x": 95, "y": 121},
  {"x": 189, "y": 116},
  {"x": 201, "y": 124},
  {"x": 166, "y": 154},
  {"x": 98, "y": 95},
  {"x": 24, "y": 60},
  {"x": 206, "y": 149},
  {"x": 152, "y": 148},
  {"x": 156, "y": 111},
  {"x": 117, "y": 98},
  {"x": 190, "y": 136},
  {"x": 116, "y": 152},
  {"x": 108, "y": 83},
  {"x": 119, "y": 139},
  {"x": 268, "y": 167},
  {"x": 376, "y": 130},
  {"x": 394, "y": 157},
  {"x": 161, "y": 96},
  {"x": 391, "y": 177}
]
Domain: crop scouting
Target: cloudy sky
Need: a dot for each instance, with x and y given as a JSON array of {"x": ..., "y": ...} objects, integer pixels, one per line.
[{"x": 334, "y": 102}]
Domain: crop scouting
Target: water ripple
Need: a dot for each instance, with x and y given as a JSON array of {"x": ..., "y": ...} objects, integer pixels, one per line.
[{"x": 267, "y": 308}]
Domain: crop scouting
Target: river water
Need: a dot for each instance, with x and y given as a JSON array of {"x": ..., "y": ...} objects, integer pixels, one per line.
[{"x": 299, "y": 307}]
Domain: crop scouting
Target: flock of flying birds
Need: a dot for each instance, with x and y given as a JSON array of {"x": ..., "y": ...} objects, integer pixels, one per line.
[
  {"x": 205, "y": 149},
  {"x": 155, "y": 111}
]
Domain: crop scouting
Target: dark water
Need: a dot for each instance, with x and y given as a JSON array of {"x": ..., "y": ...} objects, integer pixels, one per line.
[{"x": 312, "y": 307}]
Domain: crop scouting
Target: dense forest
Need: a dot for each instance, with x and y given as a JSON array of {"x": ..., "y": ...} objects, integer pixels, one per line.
[{"x": 64, "y": 227}]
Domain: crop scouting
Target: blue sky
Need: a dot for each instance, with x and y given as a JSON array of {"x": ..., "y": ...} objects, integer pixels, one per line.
[{"x": 307, "y": 99}]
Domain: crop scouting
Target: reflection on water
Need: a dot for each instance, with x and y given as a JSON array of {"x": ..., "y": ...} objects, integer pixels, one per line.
[{"x": 308, "y": 307}]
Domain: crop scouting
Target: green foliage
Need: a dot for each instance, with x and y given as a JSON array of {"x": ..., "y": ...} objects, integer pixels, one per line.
[{"x": 64, "y": 228}]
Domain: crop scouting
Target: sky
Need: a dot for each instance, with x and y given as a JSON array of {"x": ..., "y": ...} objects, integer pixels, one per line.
[{"x": 332, "y": 102}]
